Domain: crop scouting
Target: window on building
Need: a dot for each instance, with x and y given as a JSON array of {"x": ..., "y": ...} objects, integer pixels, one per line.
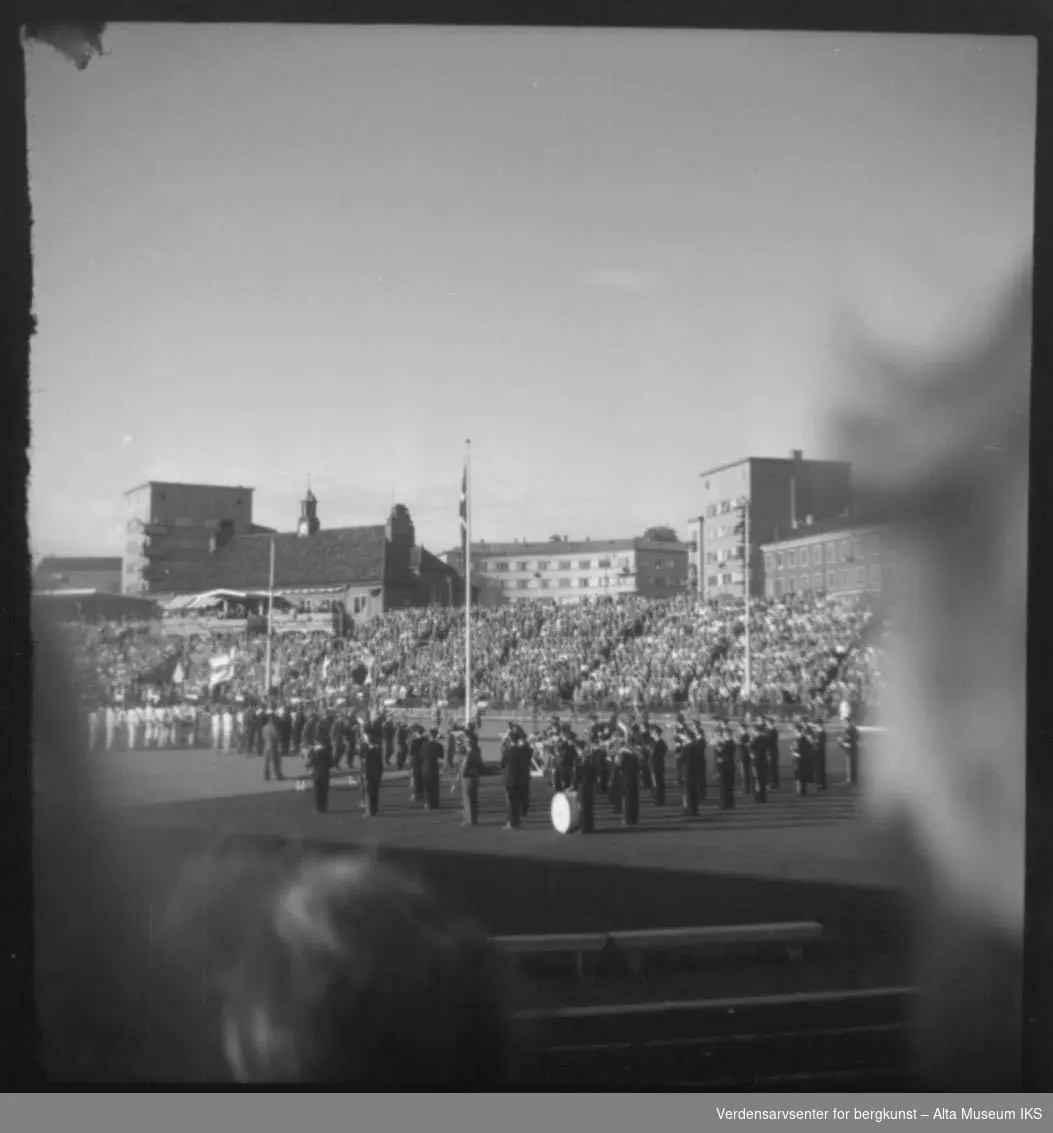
[
  {"x": 521, "y": 584},
  {"x": 544, "y": 584},
  {"x": 861, "y": 576},
  {"x": 583, "y": 583},
  {"x": 769, "y": 588},
  {"x": 844, "y": 550},
  {"x": 875, "y": 544},
  {"x": 584, "y": 564},
  {"x": 564, "y": 564},
  {"x": 522, "y": 566},
  {"x": 623, "y": 562},
  {"x": 817, "y": 580},
  {"x": 501, "y": 566},
  {"x": 711, "y": 511},
  {"x": 711, "y": 557},
  {"x": 542, "y": 564},
  {"x": 791, "y": 584},
  {"x": 768, "y": 560},
  {"x": 791, "y": 559},
  {"x": 875, "y": 577},
  {"x": 804, "y": 582},
  {"x": 817, "y": 555},
  {"x": 712, "y": 580},
  {"x": 831, "y": 580},
  {"x": 778, "y": 587},
  {"x": 779, "y": 559},
  {"x": 605, "y": 564},
  {"x": 831, "y": 552},
  {"x": 844, "y": 580},
  {"x": 564, "y": 582},
  {"x": 857, "y": 548}
]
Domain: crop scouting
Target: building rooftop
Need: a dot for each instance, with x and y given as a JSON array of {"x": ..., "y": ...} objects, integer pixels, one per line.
[
  {"x": 183, "y": 484},
  {"x": 831, "y": 526},
  {"x": 55, "y": 564},
  {"x": 771, "y": 460},
  {"x": 577, "y": 547},
  {"x": 341, "y": 556}
]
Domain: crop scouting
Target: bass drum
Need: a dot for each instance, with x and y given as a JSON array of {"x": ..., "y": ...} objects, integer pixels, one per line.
[{"x": 566, "y": 812}]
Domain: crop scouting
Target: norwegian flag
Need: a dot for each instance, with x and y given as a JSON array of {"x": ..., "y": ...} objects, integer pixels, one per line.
[{"x": 464, "y": 510}]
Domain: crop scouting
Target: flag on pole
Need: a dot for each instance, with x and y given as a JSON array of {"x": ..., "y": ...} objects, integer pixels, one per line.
[{"x": 464, "y": 511}]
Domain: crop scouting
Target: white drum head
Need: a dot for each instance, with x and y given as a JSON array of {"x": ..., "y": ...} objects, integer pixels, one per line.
[{"x": 561, "y": 816}]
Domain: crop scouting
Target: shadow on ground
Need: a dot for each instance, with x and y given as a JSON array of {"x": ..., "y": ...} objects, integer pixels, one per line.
[{"x": 114, "y": 1008}]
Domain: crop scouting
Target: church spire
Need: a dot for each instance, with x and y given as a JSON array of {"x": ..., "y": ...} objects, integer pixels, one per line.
[{"x": 308, "y": 524}]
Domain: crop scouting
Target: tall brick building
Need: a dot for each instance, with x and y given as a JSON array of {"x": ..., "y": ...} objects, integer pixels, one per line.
[{"x": 782, "y": 492}]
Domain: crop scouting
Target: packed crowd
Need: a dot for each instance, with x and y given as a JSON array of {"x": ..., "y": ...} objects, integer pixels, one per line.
[{"x": 805, "y": 651}]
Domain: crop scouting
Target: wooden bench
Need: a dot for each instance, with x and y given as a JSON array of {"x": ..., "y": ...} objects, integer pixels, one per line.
[
  {"x": 576, "y": 944},
  {"x": 792, "y": 934}
]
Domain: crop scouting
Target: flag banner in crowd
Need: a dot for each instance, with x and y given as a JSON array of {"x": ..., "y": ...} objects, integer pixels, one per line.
[{"x": 221, "y": 670}]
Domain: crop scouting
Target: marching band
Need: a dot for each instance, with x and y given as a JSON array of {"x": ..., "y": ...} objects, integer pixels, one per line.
[{"x": 613, "y": 760}]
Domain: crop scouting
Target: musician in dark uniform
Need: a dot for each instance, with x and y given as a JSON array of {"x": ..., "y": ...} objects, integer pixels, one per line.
[
  {"x": 659, "y": 750},
  {"x": 819, "y": 754},
  {"x": 566, "y": 761},
  {"x": 320, "y": 761},
  {"x": 742, "y": 743},
  {"x": 850, "y": 746},
  {"x": 416, "y": 754},
  {"x": 259, "y": 718},
  {"x": 642, "y": 745},
  {"x": 341, "y": 752},
  {"x": 630, "y": 777},
  {"x": 726, "y": 751},
  {"x": 802, "y": 758},
  {"x": 616, "y": 793},
  {"x": 284, "y": 730},
  {"x": 510, "y": 773},
  {"x": 772, "y": 732},
  {"x": 526, "y": 776},
  {"x": 451, "y": 746},
  {"x": 389, "y": 739},
  {"x": 299, "y": 719},
  {"x": 470, "y": 772},
  {"x": 524, "y": 766},
  {"x": 401, "y": 745},
  {"x": 432, "y": 758},
  {"x": 759, "y": 756},
  {"x": 311, "y": 721},
  {"x": 597, "y": 738},
  {"x": 372, "y": 764},
  {"x": 587, "y": 775},
  {"x": 272, "y": 756}
]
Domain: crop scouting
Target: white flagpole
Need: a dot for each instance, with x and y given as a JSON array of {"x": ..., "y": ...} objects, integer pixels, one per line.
[
  {"x": 270, "y": 623},
  {"x": 468, "y": 585}
]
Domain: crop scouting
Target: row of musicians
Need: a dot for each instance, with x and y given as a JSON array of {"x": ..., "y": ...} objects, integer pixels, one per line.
[{"x": 614, "y": 761}]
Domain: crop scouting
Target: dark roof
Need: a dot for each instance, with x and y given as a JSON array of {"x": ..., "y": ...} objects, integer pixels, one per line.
[
  {"x": 771, "y": 460},
  {"x": 57, "y": 565},
  {"x": 343, "y": 556},
  {"x": 432, "y": 563}
]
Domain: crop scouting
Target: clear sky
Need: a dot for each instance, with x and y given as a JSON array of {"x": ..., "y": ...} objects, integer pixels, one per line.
[{"x": 612, "y": 259}]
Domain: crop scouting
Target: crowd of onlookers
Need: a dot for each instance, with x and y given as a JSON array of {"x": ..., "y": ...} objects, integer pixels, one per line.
[{"x": 808, "y": 651}]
